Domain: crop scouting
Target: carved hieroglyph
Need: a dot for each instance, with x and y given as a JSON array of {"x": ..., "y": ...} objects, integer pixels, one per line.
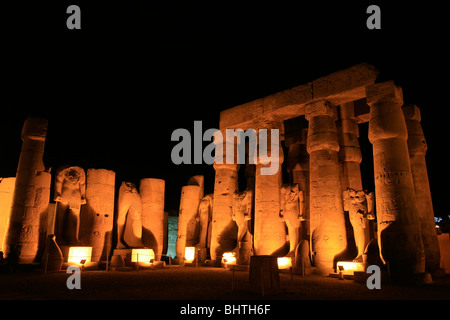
[
  {"x": 398, "y": 224},
  {"x": 291, "y": 212},
  {"x": 328, "y": 232},
  {"x": 129, "y": 217},
  {"x": 6, "y": 197},
  {"x": 359, "y": 205},
  {"x": 70, "y": 195},
  {"x": 152, "y": 199},
  {"x": 417, "y": 147},
  {"x": 98, "y": 212},
  {"x": 28, "y": 223}
]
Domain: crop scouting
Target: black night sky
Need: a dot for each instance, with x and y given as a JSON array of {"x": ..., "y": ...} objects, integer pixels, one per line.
[{"x": 114, "y": 91}]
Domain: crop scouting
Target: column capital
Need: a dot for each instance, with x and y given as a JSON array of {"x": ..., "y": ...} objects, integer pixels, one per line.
[
  {"x": 320, "y": 108},
  {"x": 384, "y": 91}
]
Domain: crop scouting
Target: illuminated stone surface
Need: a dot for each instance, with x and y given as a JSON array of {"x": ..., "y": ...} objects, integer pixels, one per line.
[
  {"x": 129, "y": 217},
  {"x": 28, "y": 220},
  {"x": 205, "y": 214},
  {"x": 70, "y": 195},
  {"x": 187, "y": 219},
  {"x": 152, "y": 199},
  {"x": 291, "y": 212},
  {"x": 359, "y": 205},
  {"x": 98, "y": 212},
  {"x": 328, "y": 232},
  {"x": 398, "y": 222},
  {"x": 224, "y": 229},
  {"x": 269, "y": 232},
  {"x": 417, "y": 147},
  {"x": 242, "y": 214},
  {"x": 6, "y": 197}
]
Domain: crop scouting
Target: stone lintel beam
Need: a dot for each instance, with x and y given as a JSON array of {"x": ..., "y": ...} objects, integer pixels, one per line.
[{"x": 339, "y": 87}]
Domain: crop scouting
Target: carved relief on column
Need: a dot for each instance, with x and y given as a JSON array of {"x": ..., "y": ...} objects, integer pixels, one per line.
[
  {"x": 328, "y": 232},
  {"x": 398, "y": 224},
  {"x": 417, "y": 147},
  {"x": 28, "y": 224}
]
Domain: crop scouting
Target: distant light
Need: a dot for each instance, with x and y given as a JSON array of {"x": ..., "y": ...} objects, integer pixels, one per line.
[
  {"x": 229, "y": 258},
  {"x": 438, "y": 219},
  {"x": 284, "y": 262},
  {"x": 189, "y": 254},
  {"x": 77, "y": 254},
  {"x": 142, "y": 255},
  {"x": 349, "y": 267}
]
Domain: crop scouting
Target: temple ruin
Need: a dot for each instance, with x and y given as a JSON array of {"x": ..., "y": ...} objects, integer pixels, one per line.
[{"x": 314, "y": 218}]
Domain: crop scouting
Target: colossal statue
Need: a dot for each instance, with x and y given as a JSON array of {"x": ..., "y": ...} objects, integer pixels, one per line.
[
  {"x": 70, "y": 194},
  {"x": 359, "y": 205},
  {"x": 129, "y": 224}
]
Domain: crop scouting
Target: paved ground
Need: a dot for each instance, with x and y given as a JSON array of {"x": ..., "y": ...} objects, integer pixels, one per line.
[{"x": 189, "y": 283}]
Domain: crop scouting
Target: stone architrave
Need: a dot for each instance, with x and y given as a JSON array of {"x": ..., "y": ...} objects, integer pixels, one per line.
[
  {"x": 27, "y": 231},
  {"x": 129, "y": 217},
  {"x": 6, "y": 197},
  {"x": 417, "y": 147},
  {"x": 398, "y": 222},
  {"x": 97, "y": 215},
  {"x": 269, "y": 230},
  {"x": 328, "y": 231},
  {"x": 242, "y": 214},
  {"x": 152, "y": 199},
  {"x": 188, "y": 219},
  {"x": 70, "y": 195}
]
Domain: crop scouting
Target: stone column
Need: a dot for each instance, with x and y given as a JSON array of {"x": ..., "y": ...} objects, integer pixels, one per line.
[
  {"x": 152, "y": 199},
  {"x": 97, "y": 215},
  {"x": 349, "y": 151},
  {"x": 298, "y": 168},
  {"x": 223, "y": 228},
  {"x": 398, "y": 224},
  {"x": 27, "y": 228},
  {"x": 6, "y": 197},
  {"x": 417, "y": 147},
  {"x": 349, "y": 163},
  {"x": 269, "y": 229},
  {"x": 328, "y": 233},
  {"x": 188, "y": 219}
]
